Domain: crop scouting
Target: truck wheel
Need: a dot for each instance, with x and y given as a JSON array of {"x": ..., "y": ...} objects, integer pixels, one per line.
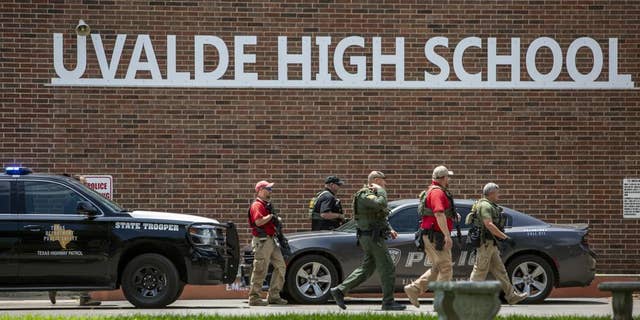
[
  {"x": 310, "y": 278},
  {"x": 531, "y": 274},
  {"x": 151, "y": 281}
]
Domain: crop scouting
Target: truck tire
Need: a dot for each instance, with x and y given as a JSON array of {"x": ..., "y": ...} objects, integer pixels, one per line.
[
  {"x": 532, "y": 274},
  {"x": 309, "y": 279},
  {"x": 151, "y": 281}
]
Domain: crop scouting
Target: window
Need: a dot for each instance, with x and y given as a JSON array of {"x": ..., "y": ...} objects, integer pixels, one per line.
[
  {"x": 463, "y": 211},
  {"x": 50, "y": 198},
  {"x": 406, "y": 220},
  {"x": 5, "y": 197}
]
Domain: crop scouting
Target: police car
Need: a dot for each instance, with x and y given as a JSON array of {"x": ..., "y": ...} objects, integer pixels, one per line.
[{"x": 57, "y": 234}]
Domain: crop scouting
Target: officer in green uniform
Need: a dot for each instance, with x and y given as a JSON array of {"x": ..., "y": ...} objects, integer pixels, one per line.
[
  {"x": 370, "y": 212},
  {"x": 490, "y": 221}
]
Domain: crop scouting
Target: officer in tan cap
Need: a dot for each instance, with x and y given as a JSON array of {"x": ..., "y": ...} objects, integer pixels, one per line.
[{"x": 438, "y": 212}]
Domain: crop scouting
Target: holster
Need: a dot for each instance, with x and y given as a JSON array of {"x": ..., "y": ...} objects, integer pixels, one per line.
[{"x": 437, "y": 238}]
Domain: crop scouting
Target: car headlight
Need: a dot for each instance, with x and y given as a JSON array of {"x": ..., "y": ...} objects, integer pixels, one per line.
[{"x": 205, "y": 235}]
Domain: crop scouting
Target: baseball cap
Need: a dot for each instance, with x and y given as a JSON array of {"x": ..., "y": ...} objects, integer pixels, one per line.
[
  {"x": 263, "y": 184},
  {"x": 376, "y": 174},
  {"x": 333, "y": 179},
  {"x": 440, "y": 172}
]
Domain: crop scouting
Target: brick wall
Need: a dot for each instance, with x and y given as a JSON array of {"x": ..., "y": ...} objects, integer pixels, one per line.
[{"x": 558, "y": 155}]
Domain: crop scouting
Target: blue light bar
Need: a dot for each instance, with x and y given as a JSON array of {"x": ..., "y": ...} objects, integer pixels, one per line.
[{"x": 17, "y": 171}]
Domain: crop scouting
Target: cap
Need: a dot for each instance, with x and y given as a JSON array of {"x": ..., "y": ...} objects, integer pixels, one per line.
[
  {"x": 376, "y": 174},
  {"x": 440, "y": 172},
  {"x": 333, "y": 179},
  {"x": 263, "y": 184}
]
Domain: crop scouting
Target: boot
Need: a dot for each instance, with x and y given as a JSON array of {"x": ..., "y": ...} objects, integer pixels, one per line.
[
  {"x": 515, "y": 297},
  {"x": 257, "y": 302},
  {"x": 393, "y": 306},
  {"x": 412, "y": 293},
  {"x": 52, "y": 297},
  {"x": 338, "y": 296},
  {"x": 86, "y": 301}
]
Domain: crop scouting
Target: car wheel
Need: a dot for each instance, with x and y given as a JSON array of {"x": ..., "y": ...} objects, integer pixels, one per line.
[
  {"x": 309, "y": 279},
  {"x": 151, "y": 281},
  {"x": 533, "y": 275}
]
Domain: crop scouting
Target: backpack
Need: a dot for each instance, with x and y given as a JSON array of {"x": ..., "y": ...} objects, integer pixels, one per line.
[
  {"x": 423, "y": 198},
  {"x": 314, "y": 201}
]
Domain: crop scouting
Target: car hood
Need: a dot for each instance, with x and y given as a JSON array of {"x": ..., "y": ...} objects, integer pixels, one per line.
[{"x": 177, "y": 217}]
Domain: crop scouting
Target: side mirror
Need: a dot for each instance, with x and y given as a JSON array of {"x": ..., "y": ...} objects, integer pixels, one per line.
[{"x": 87, "y": 209}]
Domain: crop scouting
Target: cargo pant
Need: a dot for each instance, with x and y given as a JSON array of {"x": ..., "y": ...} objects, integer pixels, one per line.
[
  {"x": 488, "y": 260},
  {"x": 265, "y": 251},
  {"x": 376, "y": 257},
  {"x": 441, "y": 266}
]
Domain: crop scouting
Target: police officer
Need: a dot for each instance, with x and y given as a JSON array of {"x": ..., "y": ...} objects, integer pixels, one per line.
[
  {"x": 438, "y": 213},
  {"x": 370, "y": 212},
  {"x": 490, "y": 220},
  {"x": 327, "y": 211},
  {"x": 265, "y": 248}
]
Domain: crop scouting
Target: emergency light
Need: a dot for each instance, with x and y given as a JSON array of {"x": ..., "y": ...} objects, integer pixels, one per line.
[{"x": 17, "y": 171}]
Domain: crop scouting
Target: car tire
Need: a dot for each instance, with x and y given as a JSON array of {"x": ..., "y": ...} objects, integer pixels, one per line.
[
  {"x": 151, "y": 281},
  {"x": 309, "y": 279},
  {"x": 533, "y": 274}
]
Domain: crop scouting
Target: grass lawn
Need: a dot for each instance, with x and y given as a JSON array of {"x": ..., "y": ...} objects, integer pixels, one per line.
[{"x": 334, "y": 316}]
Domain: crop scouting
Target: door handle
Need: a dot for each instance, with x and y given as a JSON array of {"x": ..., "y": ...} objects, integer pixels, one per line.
[{"x": 33, "y": 228}]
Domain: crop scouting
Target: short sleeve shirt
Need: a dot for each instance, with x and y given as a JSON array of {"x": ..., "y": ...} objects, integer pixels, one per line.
[
  {"x": 485, "y": 210},
  {"x": 257, "y": 211},
  {"x": 437, "y": 201},
  {"x": 327, "y": 202}
]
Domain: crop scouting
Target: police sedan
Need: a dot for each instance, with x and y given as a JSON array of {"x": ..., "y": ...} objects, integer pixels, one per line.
[{"x": 544, "y": 256}]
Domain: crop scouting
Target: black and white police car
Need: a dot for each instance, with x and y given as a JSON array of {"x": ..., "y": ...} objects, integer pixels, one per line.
[{"x": 57, "y": 234}]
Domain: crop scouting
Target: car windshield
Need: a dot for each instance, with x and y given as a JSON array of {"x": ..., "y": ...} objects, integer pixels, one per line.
[{"x": 112, "y": 205}]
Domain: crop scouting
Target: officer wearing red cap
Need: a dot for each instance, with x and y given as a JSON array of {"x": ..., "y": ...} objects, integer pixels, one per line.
[{"x": 265, "y": 249}]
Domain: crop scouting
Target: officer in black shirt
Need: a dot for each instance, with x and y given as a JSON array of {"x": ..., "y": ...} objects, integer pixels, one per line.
[{"x": 327, "y": 212}]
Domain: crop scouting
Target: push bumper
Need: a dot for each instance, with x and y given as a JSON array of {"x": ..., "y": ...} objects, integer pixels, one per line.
[{"x": 218, "y": 264}]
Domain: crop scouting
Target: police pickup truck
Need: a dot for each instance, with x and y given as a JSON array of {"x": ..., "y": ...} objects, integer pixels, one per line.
[{"x": 57, "y": 234}]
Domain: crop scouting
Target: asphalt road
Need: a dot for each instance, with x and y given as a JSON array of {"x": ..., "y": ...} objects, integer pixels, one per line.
[{"x": 576, "y": 306}]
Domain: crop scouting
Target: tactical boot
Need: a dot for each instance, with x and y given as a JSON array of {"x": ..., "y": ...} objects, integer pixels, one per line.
[
  {"x": 277, "y": 300},
  {"x": 515, "y": 297},
  {"x": 412, "y": 293},
  {"x": 258, "y": 303},
  {"x": 52, "y": 297},
  {"x": 393, "y": 306},
  {"x": 86, "y": 301},
  {"x": 338, "y": 296}
]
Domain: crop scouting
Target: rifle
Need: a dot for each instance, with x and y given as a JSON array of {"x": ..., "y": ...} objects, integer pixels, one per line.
[
  {"x": 458, "y": 231},
  {"x": 282, "y": 240}
]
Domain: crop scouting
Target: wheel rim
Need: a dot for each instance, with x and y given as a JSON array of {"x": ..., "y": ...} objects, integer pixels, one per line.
[
  {"x": 149, "y": 282},
  {"x": 313, "y": 280},
  {"x": 530, "y": 277}
]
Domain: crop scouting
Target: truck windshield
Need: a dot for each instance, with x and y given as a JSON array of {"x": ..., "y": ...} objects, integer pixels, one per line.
[{"x": 112, "y": 205}]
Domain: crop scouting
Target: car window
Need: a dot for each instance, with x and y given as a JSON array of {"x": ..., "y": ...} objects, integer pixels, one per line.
[
  {"x": 405, "y": 221},
  {"x": 5, "y": 197},
  {"x": 463, "y": 211},
  {"x": 50, "y": 198}
]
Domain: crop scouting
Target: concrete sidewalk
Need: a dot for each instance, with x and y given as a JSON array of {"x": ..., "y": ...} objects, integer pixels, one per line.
[{"x": 577, "y": 306}]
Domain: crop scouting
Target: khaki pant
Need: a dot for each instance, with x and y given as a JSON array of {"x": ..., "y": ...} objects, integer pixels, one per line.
[
  {"x": 441, "y": 266},
  {"x": 488, "y": 260},
  {"x": 265, "y": 251}
]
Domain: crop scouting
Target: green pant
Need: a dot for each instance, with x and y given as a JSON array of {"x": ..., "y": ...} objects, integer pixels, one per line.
[{"x": 376, "y": 258}]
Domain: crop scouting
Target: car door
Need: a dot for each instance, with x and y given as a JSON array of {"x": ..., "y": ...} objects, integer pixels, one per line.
[
  {"x": 60, "y": 247},
  {"x": 9, "y": 238},
  {"x": 409, "y": 261}
]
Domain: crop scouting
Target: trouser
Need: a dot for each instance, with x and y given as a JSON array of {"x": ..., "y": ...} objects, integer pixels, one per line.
[
  {"x": 376, "y": 258},
  {"x": 488, "y": 260},
  {"x": 265, "y": 251},
  {"x": 441, "y": 266}
]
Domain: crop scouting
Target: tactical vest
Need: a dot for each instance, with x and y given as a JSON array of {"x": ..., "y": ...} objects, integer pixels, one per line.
[
  {"x": 497, "y": 217},
  {"x": 423, "y": 210},
  {"x": 366, "y": 213},
  {"x": 312, "y": 205}
]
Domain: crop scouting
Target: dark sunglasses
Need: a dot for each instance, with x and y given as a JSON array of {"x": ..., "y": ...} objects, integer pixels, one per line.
[{"x": 269, "y": 189}]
